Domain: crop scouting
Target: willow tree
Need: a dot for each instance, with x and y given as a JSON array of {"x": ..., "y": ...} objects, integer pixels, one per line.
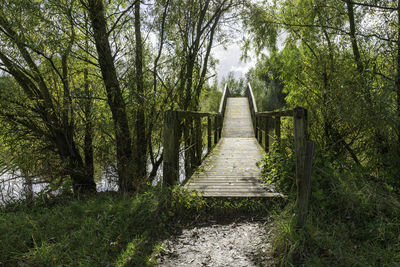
[
  {"x": 340, "y": 59},
  {"x": 197, "y": 26},
  {"x": 38, "y": 41}
]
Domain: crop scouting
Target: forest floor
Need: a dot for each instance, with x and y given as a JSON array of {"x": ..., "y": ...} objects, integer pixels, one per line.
[{"x": 237, "y": 243}]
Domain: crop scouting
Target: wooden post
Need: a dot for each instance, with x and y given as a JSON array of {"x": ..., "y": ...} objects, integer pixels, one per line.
[
  {"x": 302, "y": 181},
  {"x": 278, "y": 129},
  {"x": 187, "y": 143},
  {"x": 215, "y": 130},
  {"x": 192, "y": 148},
  {"x": 259, "y": 130},
  {"x": 171, "y": 148},
  {"x": 255, "y": 127},
  {"x": 266, "y": 138},
  {"x": 220, "y": 119},
  {"x": 198, "y": 140},
  {"x": 209, "y": 133}
]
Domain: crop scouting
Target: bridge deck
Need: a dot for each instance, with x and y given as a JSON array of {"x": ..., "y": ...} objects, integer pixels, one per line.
[{"x": 230, "y": 170}]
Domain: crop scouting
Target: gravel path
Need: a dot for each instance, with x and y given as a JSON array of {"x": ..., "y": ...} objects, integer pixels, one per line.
[{"x": 234, "y": 244}]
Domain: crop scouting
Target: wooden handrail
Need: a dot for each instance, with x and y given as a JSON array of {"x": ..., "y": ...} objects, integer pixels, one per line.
[
  {"x": 222, "y": 104},
  {"x": 183, "y": 114},
  {"x": 275, "y": 113},
  {"x": 253, "y": 106},
  {"x": 250, "y": 95}
]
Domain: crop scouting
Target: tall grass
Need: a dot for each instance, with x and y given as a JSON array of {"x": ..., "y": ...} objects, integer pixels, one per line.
[{"x": 354, "y": 220}]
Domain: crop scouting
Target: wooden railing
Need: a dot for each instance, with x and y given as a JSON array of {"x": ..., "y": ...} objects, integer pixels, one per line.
[
  {"x": 252, "y": 104},
  {"x": 304, "y": 148},
  {"x": 196, "y": 128}
]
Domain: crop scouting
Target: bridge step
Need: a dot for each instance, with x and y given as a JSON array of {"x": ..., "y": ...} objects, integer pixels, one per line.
[{"x": 244, "y": 193}]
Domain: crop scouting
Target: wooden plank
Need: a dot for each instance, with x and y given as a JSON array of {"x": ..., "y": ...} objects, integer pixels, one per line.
[
  {"x": 194, "y": 114},
  {"x": 225, "y": 178},
  {"x": 215, "y": 130},
  {"x": 300, "y": 142},
  {"x": 187, "y": 144},
  {"x": 256, "y": 127},
  {"x": 198, "y": 143},
  {"x": 252, "y": 99},
  {"x": 228, "y": 184},
  {"x": 212, "y": 187},
  {"x": 241, "y": 194},
  {"x": 209, "y": 134},
  {"x": 266, "y": 134},
  {"x": 222, "y": 103},
  {"x": 220, "y": 123},
  {"x": 278, "y": 129},
  {"x": 281, "y": 113}
]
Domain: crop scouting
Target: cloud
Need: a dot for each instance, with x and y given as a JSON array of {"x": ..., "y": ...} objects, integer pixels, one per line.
[{"x": 229, "y": 61}]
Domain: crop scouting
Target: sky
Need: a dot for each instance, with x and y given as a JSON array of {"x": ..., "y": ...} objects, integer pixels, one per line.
[{"x": 229, "y": 60}]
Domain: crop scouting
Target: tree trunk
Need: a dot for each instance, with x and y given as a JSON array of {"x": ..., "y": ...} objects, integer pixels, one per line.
[
  {"x": 81, "y": 182},
  {"x": 141, "y": 140},
  {"x": 114, "y": 95},
  {"x": 398, "y": 76},
  {"x": 88, "y": 140}
]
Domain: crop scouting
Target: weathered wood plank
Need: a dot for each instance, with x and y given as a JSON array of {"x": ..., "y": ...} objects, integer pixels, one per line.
[
  {"x": 300, "y": 142},
  {"x": 279, "y": 113},
  {"x": 193, "y": 114},
  {"x": 266, "y": 134},
  {"x": 278, "y": 129},
  {"x": 209, "y": 134},
  {"x": 241, "y": 194},
  {"x": 222, "y": 105},
  {"x": 198, "y": 144}
]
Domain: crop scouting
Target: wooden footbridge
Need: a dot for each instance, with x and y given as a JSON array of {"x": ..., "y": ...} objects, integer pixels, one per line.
[
  {"x": 237, "y": 138},
  {"x": 230, "y": 170}
]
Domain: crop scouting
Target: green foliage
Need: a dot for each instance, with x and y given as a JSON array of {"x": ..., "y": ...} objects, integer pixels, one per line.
[
  {"x": 348, "y": 86},
  {"x": 108, "y": 228},
  {"x": 352, "y": 221},
  {"x": 236, "y": 86},
  {"x": 210, "y": 98},
  {"x": 278, "y": 168},
  {"x": 266, "y": 82}
]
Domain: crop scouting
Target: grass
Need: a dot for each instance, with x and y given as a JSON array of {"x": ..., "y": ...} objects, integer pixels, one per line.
[
  {"x": 353, "y": 220},
  {"x": 108, "y": 229}
]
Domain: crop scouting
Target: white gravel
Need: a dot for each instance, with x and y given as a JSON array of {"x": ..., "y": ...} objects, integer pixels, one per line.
[{"x": 233, "y": 244}]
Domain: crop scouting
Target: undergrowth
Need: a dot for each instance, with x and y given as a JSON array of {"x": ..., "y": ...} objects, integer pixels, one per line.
[
  {"x": 108, "y": 229},
  {"x": 353, "y": 220}
]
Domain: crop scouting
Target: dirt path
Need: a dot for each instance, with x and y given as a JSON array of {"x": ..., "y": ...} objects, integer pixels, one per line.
[{"x": 233, "y": 244}]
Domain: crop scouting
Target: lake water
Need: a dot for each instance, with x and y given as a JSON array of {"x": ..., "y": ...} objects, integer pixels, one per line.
[{"x": 13, "y": 186}]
